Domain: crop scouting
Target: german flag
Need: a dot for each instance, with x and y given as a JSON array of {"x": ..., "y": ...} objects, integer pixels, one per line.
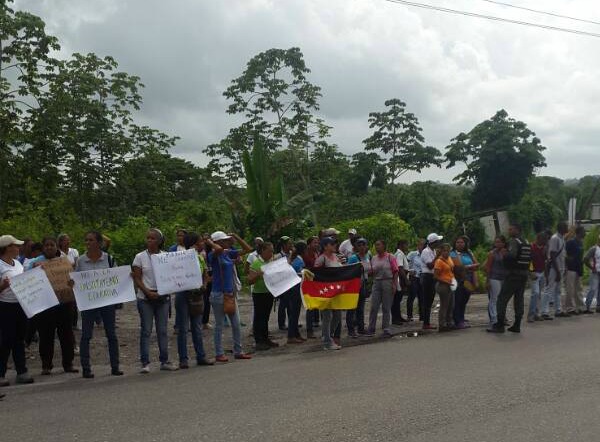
[{"x": 332, "y": 288}]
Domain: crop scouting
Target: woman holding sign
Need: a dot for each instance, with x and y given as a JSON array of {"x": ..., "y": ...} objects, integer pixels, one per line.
[
  {"x": 13, "y": 322},
  {"x": 222, "y": 260},
  {"x": 96, "y": 259},
  {"x": 56, "y": 320},
  {"x": 151, "y": 306}
]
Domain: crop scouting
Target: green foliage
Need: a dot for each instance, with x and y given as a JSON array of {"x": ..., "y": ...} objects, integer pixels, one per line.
[
  {"x": 591, "y": 239},
  {"x": 490, "y": 151},
  {"x": 398, "y": 136},
  {"x": 385, "y": 226}
]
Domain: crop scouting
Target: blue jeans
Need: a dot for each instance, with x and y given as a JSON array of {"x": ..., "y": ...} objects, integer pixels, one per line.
[
  {"x": 216, "y": 300},
  {"x": 552, "y": 292},
  {"x": 157, "y": 311},
  {"x": 184, "y": 321},
  {"x": 88, "y": 319},
  {"x": 594, "y": 291},
  {"x": 535, "y": 302}
]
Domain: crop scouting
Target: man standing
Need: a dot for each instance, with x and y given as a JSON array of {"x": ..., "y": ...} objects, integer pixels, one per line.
[
  {"x": 556, "y": 269},
  {"x": 574, "y": 248},
  {"x": 347, "y": 246},
  {"x": 428, "y": 257},
  {"x": 516, "y": 261},
  {"x": 254, "y": 255},
  {"x": 592, "y": 262},
  {"x": 414, "y": 276},
  {"x": 355, "y": 319},
  {"x": 402, "y": 287},
  {"x": 538, "y": 277}
]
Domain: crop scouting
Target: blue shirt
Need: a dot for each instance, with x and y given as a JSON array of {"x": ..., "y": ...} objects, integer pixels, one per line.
[
  {"x": 355, "y": 259},
  {"x": 298, "y": 264},
  {"x": 414, "y": 263},
  {"x": 31, "y": 262},
  {"x": 466, "y": 258},
  {"x": 224, "y": 264}
]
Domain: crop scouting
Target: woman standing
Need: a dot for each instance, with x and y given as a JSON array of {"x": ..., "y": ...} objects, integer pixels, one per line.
[
  {"x": 64, "y": 246},
  {"x": 261, "y": 298},
  {"x": 185, "y": 319},
  {"x": 428, "y": 257},
  {"x": 13, "y": 322},
  {"x": 496, "y": 272},
  {"x": 295, "y": 297},
  {"x": 151, "y": 306},
  {"x": 180, "y": 245},
  {"x": 384, "y": 270},
  {"x": 331, "y": 318},
  {"x": 222, "y": 260},
  {"x": 55, "y": 320},
  {"x": 310, "y": 256},
  {"x": 96, "y": 259},
  {"x": 462, "y": 256},
  {"x": 443, "y": 272},
  {"x": 284, "y": 251}
]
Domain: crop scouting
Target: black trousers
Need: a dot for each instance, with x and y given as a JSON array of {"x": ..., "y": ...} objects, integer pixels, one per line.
[
  {"x": 283, "y": 310},
  {"x": 206, "y": 298},
  {"x": 263, "y": 303},
  {"x": 397, "y": 305},
  {"x": 514, "y": 285},
  {"x": 415, "y": 292},
  {"x": 56, "y": 320},
  {"x": 428, "y": 286},
  {"x": 355, "y": 319},
  {"x": 13, "y": 327},
  {"x": 294, "y": 302}
]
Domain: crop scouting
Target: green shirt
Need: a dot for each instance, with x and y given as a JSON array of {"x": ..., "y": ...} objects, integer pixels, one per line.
[{"x": 259, "y": 285}]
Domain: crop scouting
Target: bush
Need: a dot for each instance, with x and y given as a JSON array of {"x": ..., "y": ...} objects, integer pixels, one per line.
[{"x": 385, "y": 226}]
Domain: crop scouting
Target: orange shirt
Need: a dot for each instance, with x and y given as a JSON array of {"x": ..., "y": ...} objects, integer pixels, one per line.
[{"x": 443, "y": 270}]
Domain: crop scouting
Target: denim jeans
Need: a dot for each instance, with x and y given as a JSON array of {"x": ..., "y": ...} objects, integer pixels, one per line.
[
  {"x": 157, "y": 312},
  {"x": 493, "y": 292},
  {"x": 294, "y": 307},
  {"x": 594, "y": 291},
  {"x": 184, "y": 322},
  {"x": 535, "y": 301},
  {"x": 88, "y": 319},
  {"x": 552, "y": 293},
  {"x": 330, "y": 319},
  {"x": 13, "y": 326},
  {"x": 216, "y": 300}
]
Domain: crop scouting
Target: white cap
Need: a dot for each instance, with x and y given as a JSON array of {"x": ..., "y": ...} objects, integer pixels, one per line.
[
  {"x": 352, "y": 231},
  {"x": 331, "y": 231},
  {"x": 9, "y": 240},
  {"x": 219, "y": 235},
  {"x": 433, "y": 237}
]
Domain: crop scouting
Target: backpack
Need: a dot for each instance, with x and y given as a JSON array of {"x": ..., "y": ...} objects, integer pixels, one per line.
[{"x": 523, "y": 255}]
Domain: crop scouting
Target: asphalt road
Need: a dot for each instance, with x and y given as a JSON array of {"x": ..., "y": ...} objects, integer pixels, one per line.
[{"x": 461, "y": 386}]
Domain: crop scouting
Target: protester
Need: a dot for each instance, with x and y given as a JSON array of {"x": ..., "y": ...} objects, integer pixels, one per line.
[
  {"x": 284, "y": 251},
  {"x": 428, "y": 256},
  {"x": 355, "y": 319},
  {"x": 592, "y": 262},
  {"x": 556, "y": 268},
  {"x": 310, "y": 256},
  {"x": 347, "y": 246},
  {"x": 463, "y": 257},
  {"x": 179, "y": 246},
  {"x": 35, "y": 250},
  {"x": 294, "y": 296},
  {"x": 204, "y": 251},
  {"x": 384, "y": 270},
  {"x": 415, "y": 266},
  {"x": 253, "y": 255},
  {"x": 262, "y": 299},
  {"x": 55, "y": 320},
  {"x": 402, "y": 283},
  {"x": 538, "y": 277},
  {"x": 151, "y": 306},
  {"x": 64, "y": 245},
  {"x": 25, "y": 250},
  {"x": 96, "y": 259},
  {"x": 443, "y": 273},
  {"x": 13, "y": 322},
  {"x": 222, "y": 259},
  {"x": 574, "y": 264},
  {"x": 496, "y": 272},
  {"x": 330, "y": 318},
  {"x": 517, "y": 259}
]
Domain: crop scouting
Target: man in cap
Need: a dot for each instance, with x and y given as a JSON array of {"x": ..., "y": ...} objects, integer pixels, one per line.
[
  {"x": 347, "y": 246},
  {"x": 428, "y": 258}
]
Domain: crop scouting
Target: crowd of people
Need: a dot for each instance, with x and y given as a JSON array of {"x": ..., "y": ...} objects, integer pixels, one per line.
[{"x": 433, "y": 267}]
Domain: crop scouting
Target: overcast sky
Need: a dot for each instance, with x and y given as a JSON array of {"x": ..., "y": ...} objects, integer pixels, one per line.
[{"x": 452, "y": 71}]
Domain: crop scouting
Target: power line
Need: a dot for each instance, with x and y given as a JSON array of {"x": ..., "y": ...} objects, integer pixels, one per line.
[
  {"x": 537, "y": 11},
  {"x": 494, "y": 18}
]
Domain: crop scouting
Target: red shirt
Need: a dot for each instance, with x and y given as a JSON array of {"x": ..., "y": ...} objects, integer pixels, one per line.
[
  {"x": 538, "y": 257},
  {"x": 309, "y": 259}
]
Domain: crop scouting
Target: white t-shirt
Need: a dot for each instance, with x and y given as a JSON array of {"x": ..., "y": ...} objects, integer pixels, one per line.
[
  {"x": 557, "y": 244},
  {"x": 9, "y": 271},
  {"x": 593, "y": 255},
  {"x": 143, "y": 261},
  {"x": 427, "y": 257},
  {"x": 346, "y": 248},
  {"x": 252, "y": 257},
  {"x": 401, "y": 259},
  {"x": 73, "y": 255}
]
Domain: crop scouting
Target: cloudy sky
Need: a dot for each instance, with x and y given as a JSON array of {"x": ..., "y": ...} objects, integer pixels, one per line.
[{"x": 452, "y": 71}]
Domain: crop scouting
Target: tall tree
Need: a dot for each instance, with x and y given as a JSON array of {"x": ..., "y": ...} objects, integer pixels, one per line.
[
  {"x": 277, "y": 101},
  {"x": 500, "y": 156},
  {"x": 398, "y": 137}
]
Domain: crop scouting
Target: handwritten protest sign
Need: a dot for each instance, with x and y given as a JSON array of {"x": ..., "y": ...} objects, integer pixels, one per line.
[
  {"x": 279, "y": 276},
  {"x": 58, "y": 270},
  {"x": 99, "y": 288},
  {"x": 177, "y": 271},
  {"x": 33, "y": 291}
]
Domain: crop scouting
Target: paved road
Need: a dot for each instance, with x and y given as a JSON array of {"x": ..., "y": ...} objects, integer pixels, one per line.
[{"x": 463, "y": 386}]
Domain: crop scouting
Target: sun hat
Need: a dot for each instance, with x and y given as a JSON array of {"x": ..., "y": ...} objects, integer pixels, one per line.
[{"x": 9, "y": 240}]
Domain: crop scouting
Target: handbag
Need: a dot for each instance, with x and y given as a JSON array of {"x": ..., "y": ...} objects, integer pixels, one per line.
[
  {"x": 195, "y": 301},
  {"x": 229, "y": 306}
]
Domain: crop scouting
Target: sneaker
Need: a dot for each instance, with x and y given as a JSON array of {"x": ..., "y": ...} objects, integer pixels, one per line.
[
  {"x": 332, "y": 346},
  {"x": 222, "y": 358},
  {"x": 145, "y": 369},
  {"x": 167, "y": 366},
  {"x": 4, "y": 382}
]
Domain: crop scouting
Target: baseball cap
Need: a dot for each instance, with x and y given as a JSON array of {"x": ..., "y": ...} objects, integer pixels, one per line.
[
  {"x": 331, "y": 231},
  {"x": 327, "y": 240},
  {"x": 284, "y": 238},
  {"x": 219, "y": 235},
  {"x": 433, "y": 237},
  {"x": 361, "y": 241},
  {"x": 8, "y": 240},
  {"x": 352, "y": 231}
]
